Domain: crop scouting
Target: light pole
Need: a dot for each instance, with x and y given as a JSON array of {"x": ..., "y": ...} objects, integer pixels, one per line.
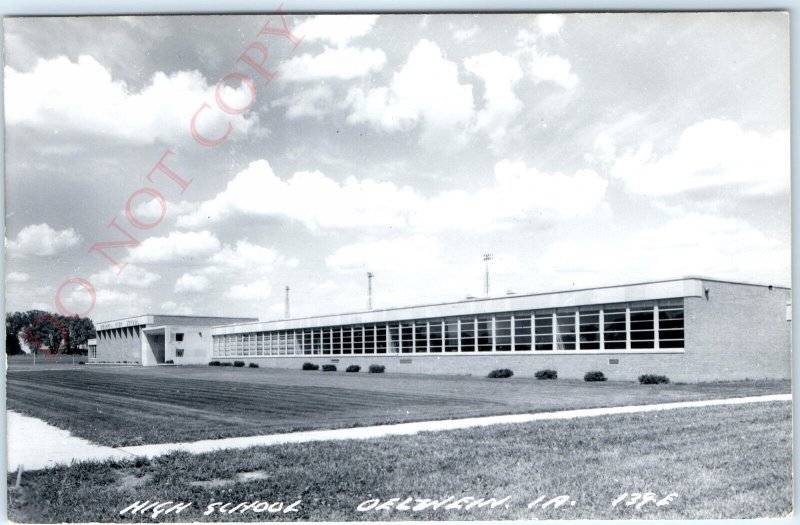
[
  {"x": 370, "y": 275},
  {"x": 486, "y": 258},
  {"x": 286, "y": 310}
]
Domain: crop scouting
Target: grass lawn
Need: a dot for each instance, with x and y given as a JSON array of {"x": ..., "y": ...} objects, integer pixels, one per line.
[
  {"x": 132, "y": 406},
  {"x": 721, "y": 462}
]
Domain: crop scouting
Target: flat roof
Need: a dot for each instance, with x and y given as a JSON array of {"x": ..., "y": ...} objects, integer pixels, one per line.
[
  {"x": 176, "y": 315},
  {"x": 674, "y": 287}
]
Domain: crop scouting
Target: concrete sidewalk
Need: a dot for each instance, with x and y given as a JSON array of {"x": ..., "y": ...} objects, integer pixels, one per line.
[
  {"x": 34, "y": 444},
  {"x": 60, "y": 449}
]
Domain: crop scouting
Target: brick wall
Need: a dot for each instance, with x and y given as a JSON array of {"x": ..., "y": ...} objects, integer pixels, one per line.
[
  {"x": 739, "y": 332},
  {"x": 118, "y": 345}
]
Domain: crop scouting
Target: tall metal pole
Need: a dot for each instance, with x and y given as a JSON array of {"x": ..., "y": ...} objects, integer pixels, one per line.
[
  {"x": 286, "y": 307},
  {"x": 486, "y": 258},
  {"x": 370, "y": 275}
]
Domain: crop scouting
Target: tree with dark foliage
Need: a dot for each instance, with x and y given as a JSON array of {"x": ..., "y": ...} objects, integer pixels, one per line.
[{"x": 46, "y": 332}]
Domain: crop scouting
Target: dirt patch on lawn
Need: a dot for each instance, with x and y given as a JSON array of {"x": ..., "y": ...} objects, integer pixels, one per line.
[
  {"x": 129, "y": 482},
  {"x": 241, "y": 477}
]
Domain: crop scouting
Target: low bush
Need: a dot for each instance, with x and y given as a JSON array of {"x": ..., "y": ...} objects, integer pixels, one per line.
[
  {"x": 213, "y": 363},
  {"x": 167, "y": 362},
  {"x": 310, "y": 366},
  {"x": 353, "y": 368},
  {"x": 652, "y": 379},
  {"x": 501, "y": 373},
  {"x": 594, "y": 375},
  {"x": 81, "y": 363},
  {"x": 238, "y": 364},
  {"x": 253, "y": 365},
  {"x": 377, "y": 369},
  {"x": 226, "y": 363},
  {"x": 329, "y": 368},
  {"x": 546, "y": 374}
]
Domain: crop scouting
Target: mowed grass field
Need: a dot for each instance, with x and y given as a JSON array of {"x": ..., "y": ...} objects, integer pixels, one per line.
[
  {"x": 134, "y": 405},
  {"x": 718, "y": 462}
]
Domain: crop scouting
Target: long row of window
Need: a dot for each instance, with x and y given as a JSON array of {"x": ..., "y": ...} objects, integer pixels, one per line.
[{"x": 637, "y": 326}]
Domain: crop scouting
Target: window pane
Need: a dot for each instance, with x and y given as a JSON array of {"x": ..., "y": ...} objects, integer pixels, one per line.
[
  {"x": 451, "y": 335},
  {"x": 468, "y": 334},
  {"x": 590, "y": 321},
  {"x": 421, "y": 337},
  {"x": 380, "y": 335},
  {"x": 406, "y": 335},
  {"x": 502, "y": 341},
  {"x": 436, "y": 335},
  {"x": 644, "y": 335},
  {"x": 522, "y": 332},
  {"x": 544, "y": 332},
  {"x": 369, "y": 339},
  {"x": 394, "y": 335},
  {"x": 565, "y": 331},
  {"x": 337, "y": 340},
  {"x": 358, "y": 339},
  {"x": 485, "y": 334},
  {"x": 670, "y": 327},
  {"x": 347, "y": 340}
]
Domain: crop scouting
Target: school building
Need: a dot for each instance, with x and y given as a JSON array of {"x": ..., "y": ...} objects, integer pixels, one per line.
[{"x": 689, "y": 329}]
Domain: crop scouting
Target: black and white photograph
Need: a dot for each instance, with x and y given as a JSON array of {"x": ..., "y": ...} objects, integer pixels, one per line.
[{"x": 455, "y": 266}]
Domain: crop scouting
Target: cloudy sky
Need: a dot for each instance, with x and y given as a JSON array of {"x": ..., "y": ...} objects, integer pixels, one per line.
[{"x": 580, "y": 150}]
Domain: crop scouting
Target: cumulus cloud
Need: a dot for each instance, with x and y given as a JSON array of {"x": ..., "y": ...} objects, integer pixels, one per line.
[
  {"x": 83, "y": 97},
  {"x": 466, "y": 33},
  {"x": 314, "y": 102},
  {"x": 149, "y": 209},
  {"x": 425, "y": 92},
  {"x": 393, "y": 254},
  {"x": 171, "y": 307},
  {"x": 188, "y": 283},
  {"x": 111, "y": 303},
  {"x": 550, "y": 24},
  {"x": 17, "y": 277},
  {"x": 338, "y": 30},
  {"x": 42, "y": 240},
  {"x": 553, "y": 68},
  {"x": 711, "y": 153},
  {"x": 177, "y": 246},
  {"x": 245, "y": 256},
  {"x": 500, "y": 73},
  {"x": 309, "y": 197},
  {"x": 131, "y": 275},
  {"x": 253, "y": 291},
  {"x": 516, "y": 193},
  {"x": 337, "y": 63},
  {"x": 689, "y": 245},
  {"x": 520, "y": 194}
]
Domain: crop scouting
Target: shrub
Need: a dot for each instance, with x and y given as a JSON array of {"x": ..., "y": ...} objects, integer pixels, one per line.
[
  {"x": 353, "y": 368},
  {"x": 310, "y": 366},
  {"x": 253, "y": 365},
  {"x": 213, "y": 363},
  {"x": 329, "y": 368},
  {"x": 238, "y": 364},
  {"x": 226, "y": 363},
  {"x": 594, "y": 375},
  {"x": 546, "y": 374},
  {"x": 652, "y": 379},
  {"x": 167, "y": 362},
  {"x": 501, "y": 373},
  {"x": 81, "y": 363},
  {"x": 377, "y": 369}
]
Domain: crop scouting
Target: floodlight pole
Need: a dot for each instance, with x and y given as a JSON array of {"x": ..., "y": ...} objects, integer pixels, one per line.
[
  {"x": 286, "y": 311},
  {"x": 370, "y": 275},
  {"x": 486, "y": 258}
]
